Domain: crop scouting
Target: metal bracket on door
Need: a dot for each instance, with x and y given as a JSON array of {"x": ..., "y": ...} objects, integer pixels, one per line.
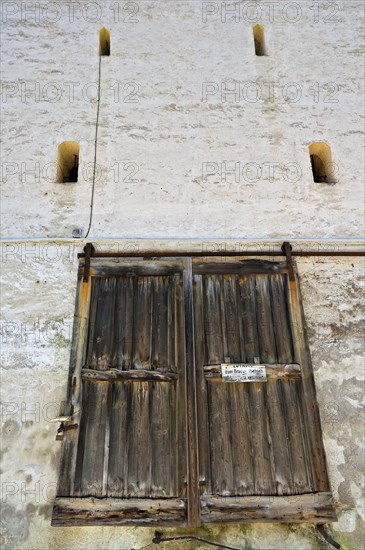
[
  {"x": 287, "y": 249},
  {"x": 89, "y": 250}
]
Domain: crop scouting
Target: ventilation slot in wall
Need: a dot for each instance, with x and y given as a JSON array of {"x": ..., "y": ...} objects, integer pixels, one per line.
[
  {"x": 104, "y": 41},
  {"x": 259, "y": 38},
  {"x": 68, "y": 162},
  {"x": 321, "y": 161}
]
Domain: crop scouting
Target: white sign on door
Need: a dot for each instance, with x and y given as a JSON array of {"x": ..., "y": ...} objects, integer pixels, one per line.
[{"x": 241, "y": 372}]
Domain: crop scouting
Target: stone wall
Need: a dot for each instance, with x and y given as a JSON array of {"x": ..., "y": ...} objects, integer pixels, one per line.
[{"x": 167, "y": 140}]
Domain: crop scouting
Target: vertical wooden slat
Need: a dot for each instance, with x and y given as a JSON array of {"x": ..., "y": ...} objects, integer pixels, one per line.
[
  {"x": 103, "y": 354},
  {"x": 260, "y": 439},
  {"x": 95, "y": 285},
  {"x": 295, "y": 438},
  {"x": 265, "y": 327},
  {"x": 180, "y": 441},
  {"x": 142, "y": 324},
  {"x": 250, "y": 433},
  {"x": 90, "y": 463},
  {"x": 249, "y": 323},
  {"x": 139, "y": 444},
  {"x": 232, "y": 326},
  {"x": 160, "y": 328},
  {"x": 301, "y": 406},
  {"x": 68, "y": 482},
  {"x": 259, "y": 343},
  {"x": 241, "y": 284},
  {"x": 278, "y": 421},
  {"x": 220, "y": 438},
  {"x": 202, "y": 402},
  {"x": 245, "y": 292},
  {"x": 241, "y": 445},
  {"x": 107, "y": 441},
  {"x": 281, "y": 320},
  {"x": 193, "y": 504},
  {"x": 212, "y": 319},
  {"x": 120, "y": 405},
  {"x": 162, "y": 419},
  {"x": 310, "y": 413},
  {"x": 219, "y": 280},
  {"x": 124, "y": 315},
  {"x": 172, "y": 334},
  {"x": 285, "y": 423}
]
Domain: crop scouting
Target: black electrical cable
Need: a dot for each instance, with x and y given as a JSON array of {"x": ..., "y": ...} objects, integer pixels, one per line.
[
  {"x": 321, "y": 528},
  {"x": 158, "y": 538},
  {"x": 95, "y": 150}
]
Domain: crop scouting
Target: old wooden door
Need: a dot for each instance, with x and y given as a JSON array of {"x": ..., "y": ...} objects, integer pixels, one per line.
[
  {"x": 125, "y": 461},
  {"x": 260, "y": 443},
  {"x": 157, "y": 435}
]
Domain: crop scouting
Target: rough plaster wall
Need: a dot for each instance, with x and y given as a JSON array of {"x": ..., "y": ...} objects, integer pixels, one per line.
[
  {"x": 36, "y": 345},
  {"x": 167, "y": 135},
  {"x": 165, "y": 126}
]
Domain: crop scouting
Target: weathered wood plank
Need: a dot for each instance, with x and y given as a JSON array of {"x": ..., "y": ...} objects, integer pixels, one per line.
[
  {"x": 265, "y": 327},
  {"x": 135, "y": 267},
  {"x": 91, "y": 449},
  {"x": 181, "y": 415},
  {"x": 309, "y": 412},
  {"x": 240, "y": 291},
  {"x": 312, "y": 507},
  {"x": 124, "y": 316},
  {"x": 107, "y": 440},
  {"x": 103, "y": 352},
  {"x": 212, "y": 319},
  {"x": 173, "y": 334},
  {"x": 239, "y": 267},
  {"x": 193, "y": 505},
  {"x": 142, "y": 323},
  {"x": 94, "y": 292},
  {"x": 283, "y": 482},
  {"x": 261, "y": 439},
  {"x": 241, "y": 446},
  {"x": 231, "y": 318},
  {"x": 162, "y": 434},
  {"x": 287, "y": 470},
  {"x": 114, "y": 511},
  {"x": 264, "y": 467},
  {"x": 67, "y": 478},
  {"x": 300, "y": 467},
  {"x": 140, "y": 374},
  {"x": 281, "y": 321},
  {"x": 202, "y": 402},
  {"x": 139, "y": 443},
  {"x": 220, "y": 439},
  {"x": 247, "y": 288},
  {"x": 159, "y": 321},
  {"x": 67, "y": 467},
  {"x": 120, "y": 413}
]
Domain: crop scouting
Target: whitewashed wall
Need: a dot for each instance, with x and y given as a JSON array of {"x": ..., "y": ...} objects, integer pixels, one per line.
[{"x": 175, "y": 58}]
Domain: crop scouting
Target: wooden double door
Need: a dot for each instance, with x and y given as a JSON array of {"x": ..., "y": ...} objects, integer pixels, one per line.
[{"x": 157, "y": 432}]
